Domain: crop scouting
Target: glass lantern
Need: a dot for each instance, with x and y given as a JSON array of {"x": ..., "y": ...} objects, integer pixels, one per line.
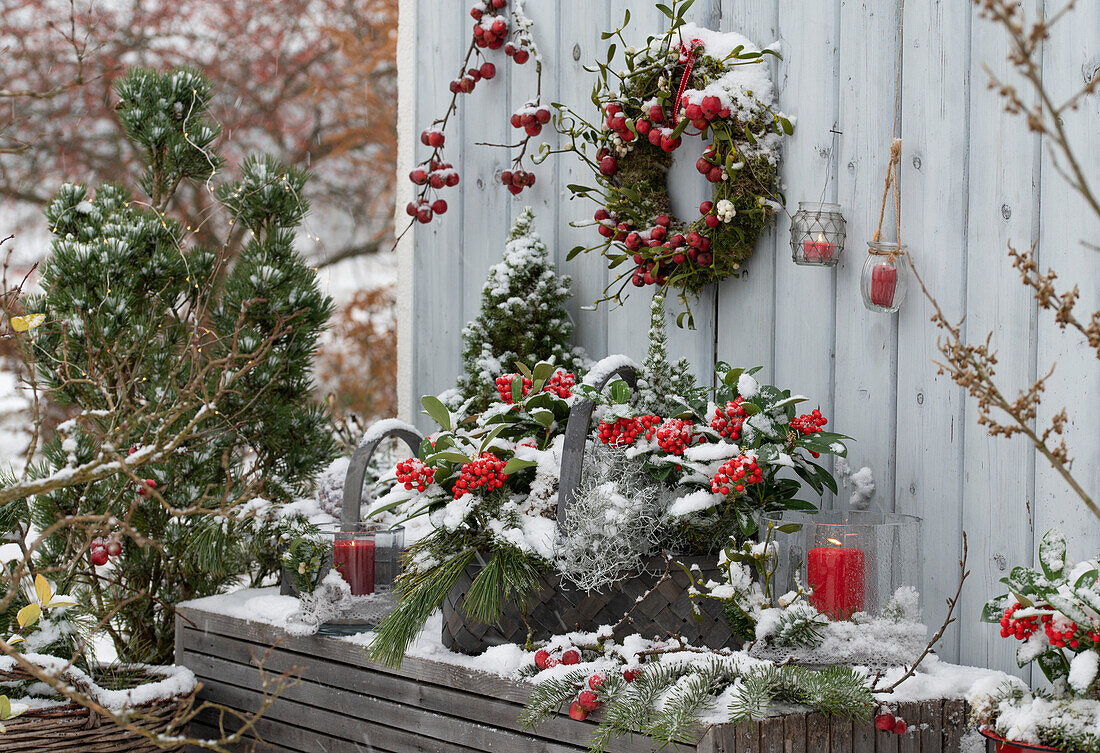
[
  {"x": 883, "y": 280},
  {"x": 368, "y": 559},
  {"x": 854, "y": 562},
  {"x": 817, "y": 234}
]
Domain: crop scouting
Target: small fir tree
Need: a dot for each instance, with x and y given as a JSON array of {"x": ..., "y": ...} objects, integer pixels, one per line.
[
  {"x": 661, "y": 381},
  {"x": 167, "y": 333},
  {"x": 522, "y": 317}
]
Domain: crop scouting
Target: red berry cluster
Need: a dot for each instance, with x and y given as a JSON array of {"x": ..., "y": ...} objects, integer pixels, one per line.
[
  {"x": 489, "y": 30},
  {"x": 432, "y": 174},
  {"x": 487, "y": 472},
  {"x": 675, "y": 435},
  {"x": 517, "y": 52},
  {"x": 517, "y": 180},
  {"x": 144, "y": 488},
  {"x": 703, "y": 109},
  {"x": 809, "y": 423},
  {"x": 414, "y": 472},
  {"x": 1062, "y": 632},
  {"x": 103, "y": 549},
  {"x": 545, "y": 660},
  {"x": 656, "y": 253},
  {"x": 531, "y": 117},
  {"x": 734, "y": 474},
  {"x": 504, "y": 386},
  {"x": 620, "y": 433},
  {"x": 1020, "y": 627},
  {"x": 890, "y": 723},
  {"x": 561, "y": 383},
  {"x": 728, "y": 421},
  {"x": 709, "y": 165}
]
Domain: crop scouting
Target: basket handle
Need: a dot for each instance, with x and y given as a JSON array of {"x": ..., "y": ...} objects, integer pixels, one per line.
[
  {"x": 351, "y": 510},
  {"x": 576, "y": 434}
]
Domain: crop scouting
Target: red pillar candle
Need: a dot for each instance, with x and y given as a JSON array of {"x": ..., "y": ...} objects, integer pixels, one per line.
[
  {"x": 836, "y": 575},
  {"x": 884, "y": 280},
  {"x": 354, "y": 560},
  {"x": 819, "y": 250}
]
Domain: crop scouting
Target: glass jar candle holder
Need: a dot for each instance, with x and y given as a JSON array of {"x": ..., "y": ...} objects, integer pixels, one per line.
[
  {"x": 817, "y": 234},
  {"x": 883, "y": 281},
  {"x": 853, "y": 562},
  {"x": 368, "y": 559}
]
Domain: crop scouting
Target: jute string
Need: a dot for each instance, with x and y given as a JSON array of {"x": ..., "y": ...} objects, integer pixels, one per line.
[{"x": 891, "y": 182}]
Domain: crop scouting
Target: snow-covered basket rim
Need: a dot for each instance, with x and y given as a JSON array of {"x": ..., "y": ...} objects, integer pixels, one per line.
[{"x": 167, "y": 683}]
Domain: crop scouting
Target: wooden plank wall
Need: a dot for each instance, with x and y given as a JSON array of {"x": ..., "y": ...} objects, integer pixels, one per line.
[
  {"x": 973, "y": 179},
  {"x": 338, "y": 702}
]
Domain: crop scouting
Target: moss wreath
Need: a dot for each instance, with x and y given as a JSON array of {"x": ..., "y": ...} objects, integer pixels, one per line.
[{"x": 715, "y": 84}]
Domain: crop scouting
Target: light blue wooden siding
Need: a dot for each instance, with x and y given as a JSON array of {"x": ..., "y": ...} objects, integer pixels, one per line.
[{"x": 973, "y": 178}]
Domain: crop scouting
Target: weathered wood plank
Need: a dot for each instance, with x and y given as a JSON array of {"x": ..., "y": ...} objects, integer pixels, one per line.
[
  {"x": 863, "y": 736},
  {"x": 998, "y": 475},
  {"x": 772, "y": 733},
  {"x": 866, "y": 342},
  {"x": 840, "y": 734},
  {"x": 954, "y": 725},
  {"x": 747, "y": 737},
  {"x": 930, "y": 406},
  {"x": 931, "y": 727},
  {"x": 795, "y": 734},
  {"x": 910, "y": 742},
  {"x": 817, "y": 733},
  {"x": 805, "y": 296}
]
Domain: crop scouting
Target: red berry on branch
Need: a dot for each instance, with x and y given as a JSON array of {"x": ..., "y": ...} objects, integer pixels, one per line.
[
  {"x": 596, "y": 681},
  {"x": 658, "y": 233},
  {"x": 540, "y": 658},
  {"x": 476, "y": 12},
  {"x": 113, "y": 548},
  {"x": 499, "y": 26},
  {"x": 435, "y": 139},
  {"x": 466, "y": 84},
  {"x": 702, "y": 166},
  {"x": 419, "y": 176},
  {"x": 663, "y": 220},
  {"x": 474, "y": 73},
  {"x": 439, "y": 206},
  {"x": 435, "y": 180},
  {"x": 455, "y": 87},
  {"x": 424, "y": 214},
  {"x": 498, "y": 4},
  {"x": 572, "y": 656},
  {"x": 885, "y": 722},
  {"x": 521, "y": 56},
  {"x": 900, "y": 726},
  {"x": 714, "y": 174},
  {"x": 670, "y": 144},
  {"x": 705, "y": 207},
  {"x": 630, "y": 675},
  {"x": 609, "y": 166},
  {"x": 533, "y": 130},
  {"x": 542, "y": 115},
  {"x": 488, "y": 70},
  {"x": 704, "y": 260},
  {"x": 711, "y": 220},
  {"x": 589, "y": 700},
  {"x": 509, "y": 49},
  {"x": 655, "y": 137},
  {"x": 506, "y": 177},
  {"x": 99, "y": 556},
  {"x": 424, "y": 138},
  {"x": 643, "y": 127},
  {"x": 410, "y": 209}
]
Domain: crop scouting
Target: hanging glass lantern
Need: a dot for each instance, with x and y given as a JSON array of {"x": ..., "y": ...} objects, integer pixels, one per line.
[
  {"x": 817, "y": 234},
  {"x": 883, "y": 281}
]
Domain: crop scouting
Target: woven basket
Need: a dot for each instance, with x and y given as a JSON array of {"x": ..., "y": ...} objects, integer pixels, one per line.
[
  {"x": 559, "y": 608},
  {"x": 72, "y": 728}
]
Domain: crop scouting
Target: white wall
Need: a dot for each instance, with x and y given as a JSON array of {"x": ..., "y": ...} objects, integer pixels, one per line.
[{"x": 973, "y": 179}]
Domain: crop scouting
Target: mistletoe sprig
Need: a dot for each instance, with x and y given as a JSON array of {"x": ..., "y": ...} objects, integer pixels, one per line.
[{"x": 692, "y": 81}]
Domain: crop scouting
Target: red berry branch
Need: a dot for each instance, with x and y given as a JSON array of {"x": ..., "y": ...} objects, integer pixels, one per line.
[{"x": 491, "y": 31}]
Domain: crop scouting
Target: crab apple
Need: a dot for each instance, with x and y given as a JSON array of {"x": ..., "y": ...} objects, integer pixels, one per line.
[
  {"x": 678, "y": 258},
  {"x": 424, "y": 138},
  {"x": 702, "y": 166},
  {"x": 439, "y": 206},
  {"x": 577, "y": 711},
  {"x": 657, "y": 114},
  {"x": 542, "y": 115},
  {"x": 452, "y": 178},
  {"x": 606, "y": 230},
  {"x": 515, "y": 190},
  {"x": 676, "y": 241},
  {"x": 885, "y": 722},
  {"x": 602, "y": 214},
  {"x": 655, "y": 137},
  {"x": 424, "y": 214},
  {"x": 455, "y": 86},
  {"x": 572, "y": 656},
  {"x": 99, "y": 556},
  {"x": 714, "y": 174},
  {"x": 419, "y": 176},
  {"x": 647, "y": 278},
  {"x": 498, "y": 4},
  {"x": 521, "y": 56},
  {"x": 669, "y": 144},
  {"x": 633, "y": 241},
  {"x": 509, "y": 49},
  {"x": 630, "y": 675},
  {"x": 516, "y": 120},
  {"x": 476, "y": 13},
  {"x": 540, "y": 658},
  {"x": 466, "y": 84},
  {"x": 900, "y": 726},
  {"x": 711, "y": 220},
  {"x": 533, "y": 130},
  {"x": 658, "y": 233},
  {"x": 114, "y": 548},
  {"x": 710, "y": 106},
  {"x": 693, "y": 112},
  {"x": 596, "y": 681},
  {"x": 700, "y": 124},
  {"x": 643, "y": 127},
  {"x": 609, "y": 166},
  {"x": 499, "y": 26},
  {"x": 435, "y": 180},
  {"x": 705, "y": 207},
  {"x": 662, "y": 220},
  {"x": 704, "y": 259},
  {"x": 506, "y": 177},
  {"x": 410, "y": 209},
  {"x": 636, "y": 280},
  {"x": 474, "y": 73},
  {"x": 487, "y": 70},
  {"x": 611, "y": 108},
  {"x": 589, "y": 700}
]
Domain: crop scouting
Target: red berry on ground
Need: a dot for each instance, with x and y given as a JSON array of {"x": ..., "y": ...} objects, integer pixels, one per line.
[
  {"x": 572, "y": 656},
  {"x": 577, "y": 711},
  {"x": 630, "y": 675},
  {"x": 900, "y": 726},
  {"x": 540, "y": 658},
  {"x": 589, "y": 700},
  {"x": 595, "y": 681}
]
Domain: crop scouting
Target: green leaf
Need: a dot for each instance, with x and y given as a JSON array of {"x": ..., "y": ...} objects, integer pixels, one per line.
[
  {"x": 680, "y": 128},
  {"x": 521, "y": 367},
  {"x": 542, "y": 371},
  {"x": 454, "y": 457},
  {"x": 751, "y": 408},
  {"x": 789, "y": 527},
  {"x": 788, "y": 127},
  {"x": 1053, "y": 663},
  {"x": 611, "y": 52},
  {"x": 437, "y": 410},
  {"x": 684, "y": 8},
  {"x": 994, "y": 609},
  {"x": 1052, "y": 554},
  {"x": 620, "y": 392},
  {"x": 666, "y": 10},
  {"x": 493, "y": 434},
  {"x": 515, "y": 464},
  {"x": 543, "y": 416}
]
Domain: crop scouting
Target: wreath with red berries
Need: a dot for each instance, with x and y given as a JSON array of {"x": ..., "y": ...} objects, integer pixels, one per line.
[{"x": 691, "y": 81}]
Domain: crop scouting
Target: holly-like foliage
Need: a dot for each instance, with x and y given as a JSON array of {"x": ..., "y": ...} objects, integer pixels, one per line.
[
  {"x": 148, "y": 332},
  {"x": 522, "y": 318}
]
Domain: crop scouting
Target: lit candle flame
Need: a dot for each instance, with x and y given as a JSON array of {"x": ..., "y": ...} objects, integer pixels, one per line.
[
  {"x": 835, "y": 542},
  {"x": 821, "y": 237}
]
